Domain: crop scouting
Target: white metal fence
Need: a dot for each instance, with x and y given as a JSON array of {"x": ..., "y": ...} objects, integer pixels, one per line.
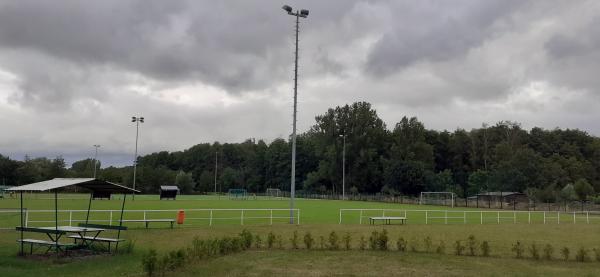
[
  {"x": 10, "y": 218},
  {"x": 471, "y": 217}
]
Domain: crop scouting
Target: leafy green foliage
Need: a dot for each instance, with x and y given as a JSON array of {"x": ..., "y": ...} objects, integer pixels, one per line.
[
  {"x": 534, "y": 251},
  {"x": 458, "y": 248},
  {"x": 472, "y": 245},
  {"x": 565, "y": 252},
  {"x": 149, "y": 262},
  {"x": 485, "y": 248},
  {"x": 295, "y": 240},
  {"x": 548, "y": 252},
  {"x": 308, "y": 240},
  {"x": 582, "y": 255},
  {"x": 347, "y": 240},
  {"x": 334, "y": 241},
  {"x": 518, "y": 249}
]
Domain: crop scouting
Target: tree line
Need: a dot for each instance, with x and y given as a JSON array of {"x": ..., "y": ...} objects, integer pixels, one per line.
[{"x": 406, "y": 159}]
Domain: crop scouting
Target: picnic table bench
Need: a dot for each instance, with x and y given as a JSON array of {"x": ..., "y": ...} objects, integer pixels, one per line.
[
  {"x": 147, "y": 221},
  {"x": 52, "y": 243},
  {"x": 96, "y": 238},
  {"x": 387, "y": 219}
]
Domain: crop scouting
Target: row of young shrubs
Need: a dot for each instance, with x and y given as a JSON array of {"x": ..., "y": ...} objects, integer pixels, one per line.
[
  {"x": 153, "y": 262},
  {"x": 536, "y": 252}
]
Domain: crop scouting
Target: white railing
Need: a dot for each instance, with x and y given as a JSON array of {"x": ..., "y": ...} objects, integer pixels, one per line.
[
  {"x": 10, "y": 218},
  {"x": 473, "y": 216}
]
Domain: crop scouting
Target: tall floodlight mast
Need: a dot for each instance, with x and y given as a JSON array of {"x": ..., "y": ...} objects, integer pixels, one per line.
[
  {"x": 137, "y": 121},
  {"x": 297, "y": 14}
]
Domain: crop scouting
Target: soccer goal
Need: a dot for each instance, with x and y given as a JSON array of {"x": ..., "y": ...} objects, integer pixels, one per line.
[
  {"x": 273, "y": 193},
  {"x": 237, "y": 194},
  {"x": 443, "y": 198}
]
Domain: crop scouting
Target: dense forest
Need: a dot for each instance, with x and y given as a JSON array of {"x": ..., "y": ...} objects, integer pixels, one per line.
[{"x": 406, "y": 159}]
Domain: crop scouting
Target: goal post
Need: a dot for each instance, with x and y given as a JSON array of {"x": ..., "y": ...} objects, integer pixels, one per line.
[
  {"x": 273, "y": 193},
  {"x": 444, "y": 198},
  {"x": 237, "y": 194}
]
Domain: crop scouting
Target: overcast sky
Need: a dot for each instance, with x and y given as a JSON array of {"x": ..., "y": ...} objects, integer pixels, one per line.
[{"x": 72, "y": 73}]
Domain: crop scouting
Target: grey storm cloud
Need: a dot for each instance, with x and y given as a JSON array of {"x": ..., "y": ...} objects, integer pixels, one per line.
[
  {"x": 72, "y": 72},
  {"x": 435, "y": 31}
]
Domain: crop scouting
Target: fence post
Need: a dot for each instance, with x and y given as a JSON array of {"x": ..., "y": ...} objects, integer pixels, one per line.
[
  {"x": 360, "y": 217},
  {"x": 529, "y": 217},
  {"x": 426, "y": 216},
  {"x": 465, "y": 218},
  {"x": 26, "y": 218},
  {"x": 544, "y": 217},
  {"x": 242, "y": 219},
  {"x": 298, "y": 221},
  {"x": 271, "y": 217},
  {"x": 587, "y": 217},
  {"x": 383, "y": 213},
  {"x": 340, "y": 217},
  {"x": 481, "y": 217},
  {"x": 574, "y": 218},
  {"x": 558, "y": 220},
  {"x": 110, "y": 218},
  {"x": 498, "y": 217},
  {"x": 70, "y": 218},
  {"x": 144, "y": 214},
  {"x": 210, "y": 218}
]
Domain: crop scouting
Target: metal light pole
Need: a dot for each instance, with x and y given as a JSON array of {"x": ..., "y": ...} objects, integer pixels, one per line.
[
  {"x": 137, "y": 121},
  {"x": 96, "y": 159},
  {"x": 297, "y": 14},
  {"x": 344, "y": 168},
  {"x": 216, "y": 163}
]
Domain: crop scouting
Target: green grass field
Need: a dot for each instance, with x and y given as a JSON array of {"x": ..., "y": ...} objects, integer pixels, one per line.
[{"x": 320, "y": 217}]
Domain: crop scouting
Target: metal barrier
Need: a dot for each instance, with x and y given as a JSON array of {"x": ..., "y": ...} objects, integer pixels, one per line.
[
  {"x": 9, "y": 219},
  {"x": 471, "y": 217}
]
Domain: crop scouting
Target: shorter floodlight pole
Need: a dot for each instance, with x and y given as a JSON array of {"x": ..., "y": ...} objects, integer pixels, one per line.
[
  {"x": 96, "y": 159},
  {"x": 344, "y": 169}
]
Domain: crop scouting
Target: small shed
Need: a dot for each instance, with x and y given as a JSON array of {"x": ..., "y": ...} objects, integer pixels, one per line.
[{"x": 168, "y": 192}]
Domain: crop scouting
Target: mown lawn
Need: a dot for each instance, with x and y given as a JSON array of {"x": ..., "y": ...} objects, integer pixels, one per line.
[{"x": 320, "y": 218}]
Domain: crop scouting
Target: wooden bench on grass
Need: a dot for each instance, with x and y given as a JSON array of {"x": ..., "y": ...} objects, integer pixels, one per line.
[
  {"x": 93, "y": 239},
  {"x": 147, "y": 221},
  {"x": 47, "y": 243},
  {"x": 387, "y": 219}
]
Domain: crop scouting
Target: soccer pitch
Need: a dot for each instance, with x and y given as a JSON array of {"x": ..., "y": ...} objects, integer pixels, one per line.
[{"x": 320, "y": 217}]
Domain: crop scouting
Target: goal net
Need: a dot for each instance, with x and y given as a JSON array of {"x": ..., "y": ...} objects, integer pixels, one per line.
[
  {"x": 273, "y": 193},
  {"x": 442, "y": 198},
  {"x": 237, "y": 194}
]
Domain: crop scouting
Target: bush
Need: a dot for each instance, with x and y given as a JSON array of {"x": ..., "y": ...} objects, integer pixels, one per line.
[
  {"x": 382, "y": 241},
  {"x": 373, "y": 240},
  {"x": 308, "y": 240},
  {"x": 565, "y": 253},
  {"x": 362, "y": 243},
  {"x": 597, "y": 254},
  {"x": 548, "y": 252},
  {"x": 534, "y": 252},
  {"x": 427, "y": 243},
  {"x": 458, "y": 248},
  {"x": 246, "y": 237},
  {"x": 472, "y": 245},
  {"x": 294, "y": 240},
  {"x": 257, "y": 242},
  {"x": 441, "y": 248},
  {"x": 150, "y": 262},
  {"x": 413, "y": 244},
  {"x": 347, "y": 240},
  {"x": 582, "y": 255},
  {"x": 322, "y": 242},
  {"x": 270, "y": 240},
  {"x": 518, "y": 249},
  {"x": 485, "y": 249},
  {"x": 279, "y": 241},
  {"x": 334, "y": 241},
  {"x": 401, "y": 244}
]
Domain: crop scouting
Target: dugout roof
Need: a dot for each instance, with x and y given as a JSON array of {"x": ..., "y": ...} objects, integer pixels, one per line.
[{"x": 92, "y": 184}]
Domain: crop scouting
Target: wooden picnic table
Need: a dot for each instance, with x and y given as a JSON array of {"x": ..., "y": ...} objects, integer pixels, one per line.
[
  {"x": 387, "y": 219},
  {"x": 55, "y": 233}
]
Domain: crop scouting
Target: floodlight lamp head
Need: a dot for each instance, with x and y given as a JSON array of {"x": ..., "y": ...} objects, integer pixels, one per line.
[
  {"x": 142, "y": 119},
  {"x": 287, "y": 8},
  {"x": 133, "y": 119},
  {"x": 304, "y": 13}
]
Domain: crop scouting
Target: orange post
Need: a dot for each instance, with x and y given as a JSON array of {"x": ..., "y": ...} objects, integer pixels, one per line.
[{"x": 180, "y": 217}]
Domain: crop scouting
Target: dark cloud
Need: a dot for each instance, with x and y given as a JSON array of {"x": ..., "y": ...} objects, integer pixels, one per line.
[{"x": 434, "y": 31}]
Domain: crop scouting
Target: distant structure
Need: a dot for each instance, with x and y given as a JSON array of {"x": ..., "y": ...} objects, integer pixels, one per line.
[{"x": 168, "y": 192}]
